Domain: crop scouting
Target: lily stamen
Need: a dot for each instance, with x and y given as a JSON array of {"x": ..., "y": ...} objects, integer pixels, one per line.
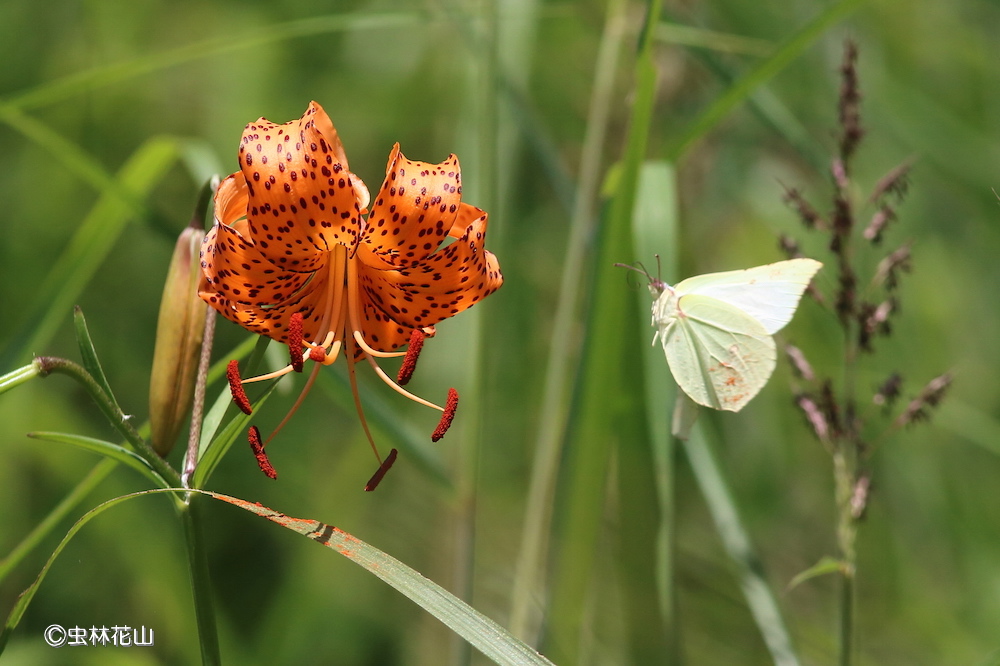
[
  {"x": 449, "y": 413},
  {"x": 380, "y": 472},
  {"x": 236, "y": 387},
  {"x": 410, "y": 360}
]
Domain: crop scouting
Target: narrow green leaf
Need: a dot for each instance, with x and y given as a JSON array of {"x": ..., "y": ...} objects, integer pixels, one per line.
[
  {"x": 90, "y": 245},
  {"x": 760, "y": 599},
  {"x": 609, "y": 387},
  {"x": 655, "y": 231},
  {"x": 561, "y": 365},
  {"x": 826, "y": 565},
  {"x": 89, "y": 80},
  {"x": 218, "y": 447},
  {"x": 107, "y": 449},
  {"x": 98, "y": 473},
  {"x": 483, "y": 633},
  {"x": 224, "y": 403},
  {"x": 88, "y": 354},
  {"x": 764, "y": 71}
]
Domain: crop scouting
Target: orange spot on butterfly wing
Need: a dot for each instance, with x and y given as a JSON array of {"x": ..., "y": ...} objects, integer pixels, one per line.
[{"x": 414, "y": 211}]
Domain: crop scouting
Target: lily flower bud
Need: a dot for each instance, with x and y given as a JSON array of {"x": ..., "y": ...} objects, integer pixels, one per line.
[{"x": 179, "y": 333}]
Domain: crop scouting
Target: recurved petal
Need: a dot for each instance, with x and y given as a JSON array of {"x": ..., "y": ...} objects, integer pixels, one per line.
[
  {"x": 413, "y": 212},
  {"x": 442, "y": 285},
  {"x": 302, "y": 199},
  {"x": 248, "y": 288}
]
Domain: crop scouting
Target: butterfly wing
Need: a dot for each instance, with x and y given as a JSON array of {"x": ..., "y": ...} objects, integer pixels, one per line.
[
  {"x": 718, "y": 354},
  {"x": 768, "y": 293}
]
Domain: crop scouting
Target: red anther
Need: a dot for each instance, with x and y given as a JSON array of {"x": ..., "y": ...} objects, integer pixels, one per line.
[
  {"x": 258, "y": 451},
  {"x": 317, "y": 354},
  {"x": 449, "y": 414},
  {"x": 380, "y": 472},
  {"x": 410, "y": 360},
  {"x": 236, "y": 387},
  {"x": 295, "y": 341}
]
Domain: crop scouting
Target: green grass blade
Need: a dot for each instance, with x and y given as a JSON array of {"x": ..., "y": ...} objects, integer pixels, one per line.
[
  {"x": 764, "y": 71},
  {"x": 483, "y": 633},
  {"x": 655, "y": 229},
  {"x": 607, "y": 397},
  {"x": 529, "y": 579},
  {"x": 760, "y": 599},
  {"x": 107, "y": 449},
  {"x": 256, "y": 346},
  {"x": 223, "y": 440},
  {"x": 92, "y": 242},
  {"x": 98, "y": 473},
  {"x": 86, "y": 81}
]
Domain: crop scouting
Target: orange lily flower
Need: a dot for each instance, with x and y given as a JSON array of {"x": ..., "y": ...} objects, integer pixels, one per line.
[{"x": 295, "y": 255}]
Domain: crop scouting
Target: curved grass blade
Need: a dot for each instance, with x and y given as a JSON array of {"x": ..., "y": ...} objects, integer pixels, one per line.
[
  {"x": 88, "y": 248},
  {"x": 107, "y": 449},
  {"x": 765, "y": 70},
  {"x": 98, "y": 473},
  {"x": 483, "y": 633},
  {"x": 760, "y": 599},
  {"x": 81, "y": 82}
]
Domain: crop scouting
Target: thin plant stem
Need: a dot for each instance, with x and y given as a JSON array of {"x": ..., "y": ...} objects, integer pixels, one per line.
[
  {"x": 121, "y": 423},
  {"x": 201, "y": 582},
  {"x": 198, "y": 407}
]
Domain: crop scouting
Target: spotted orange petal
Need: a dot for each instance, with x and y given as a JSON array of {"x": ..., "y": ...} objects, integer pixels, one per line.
[
  {"x": 413, "y": 212},
  {"x": 442, "y": 285},
  {"x": 302, "y": 199}
]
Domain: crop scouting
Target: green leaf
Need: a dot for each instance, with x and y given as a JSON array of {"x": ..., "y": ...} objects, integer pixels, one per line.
[
  {"x": 483, "y": 633},
  {"x": 212, "y": 454},
  {"x": 763, "y": 72},
  {"x": 609, "y": 400},
  {"x": 107, "y": 449},
  {"x": 760, "y": 598},
  {"x": 826, "y": 565},
  {"x": 98, "y": 473},
  {"x": 90, "y": 245},
  {"x": 88, "y": 354}
]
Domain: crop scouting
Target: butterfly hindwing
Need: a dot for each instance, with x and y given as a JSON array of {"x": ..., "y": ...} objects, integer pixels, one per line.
[
  {"x": 767, "y": 293},
  {"x": 718, "y": 354}
]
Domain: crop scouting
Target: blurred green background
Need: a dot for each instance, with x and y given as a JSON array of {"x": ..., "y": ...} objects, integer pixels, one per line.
[{"x": 507, "y": 88}]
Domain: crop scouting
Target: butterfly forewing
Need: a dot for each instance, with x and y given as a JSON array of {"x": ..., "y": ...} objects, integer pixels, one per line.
[
  {"x": 768, "y": 293},
  {"x": 718, "y": 354}
]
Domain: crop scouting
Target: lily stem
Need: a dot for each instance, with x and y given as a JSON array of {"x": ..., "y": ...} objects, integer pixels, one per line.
[
  {"x": 49, "y": 364},
  {"x": 201, "y": 582}
]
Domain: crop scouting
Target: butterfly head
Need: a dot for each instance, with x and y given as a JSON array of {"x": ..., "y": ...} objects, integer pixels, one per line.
[{"x": 655, "y": 284}]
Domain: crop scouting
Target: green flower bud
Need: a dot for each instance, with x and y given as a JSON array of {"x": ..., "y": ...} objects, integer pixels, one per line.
[{"x": 179, "y": 333}]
